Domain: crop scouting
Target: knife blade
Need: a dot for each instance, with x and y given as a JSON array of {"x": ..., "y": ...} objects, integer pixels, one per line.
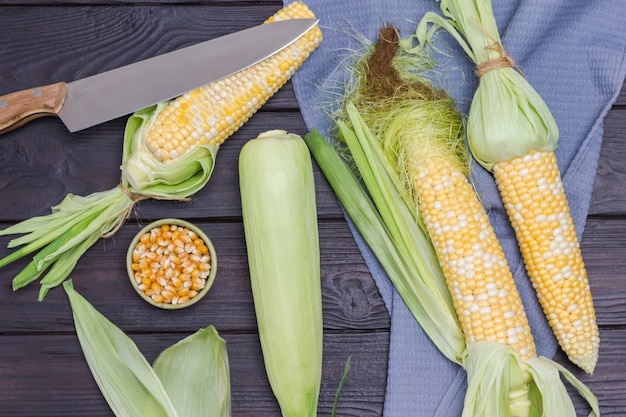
[{"x": 102, "y": 97}]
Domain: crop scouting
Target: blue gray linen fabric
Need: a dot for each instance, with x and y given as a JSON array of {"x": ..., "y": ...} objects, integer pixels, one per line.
[{"x": 571, "y": 51}]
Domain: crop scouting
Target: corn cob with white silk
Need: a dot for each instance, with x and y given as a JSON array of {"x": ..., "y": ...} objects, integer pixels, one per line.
[
  {"x": 210, "y": 114},
  {"x": 535, "y": 201},
  {"x": 429, "y": 154}
]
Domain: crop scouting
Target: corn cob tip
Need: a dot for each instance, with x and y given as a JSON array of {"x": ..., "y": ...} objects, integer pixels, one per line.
[{"x": 587, "y": 362}]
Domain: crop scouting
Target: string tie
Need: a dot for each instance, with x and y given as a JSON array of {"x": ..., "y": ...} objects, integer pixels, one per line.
[{"x": 134, "y": 199}]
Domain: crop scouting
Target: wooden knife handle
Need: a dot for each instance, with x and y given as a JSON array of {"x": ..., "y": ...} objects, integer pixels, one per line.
[{"x": 23, "y": 106}]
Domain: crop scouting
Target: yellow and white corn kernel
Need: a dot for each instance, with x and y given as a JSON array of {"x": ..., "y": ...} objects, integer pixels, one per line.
[
  {"x": 171, "y": 264},
  {"x": 210, "y": 114},
  {"x": 483, "y": 290},
  {"x": 535, "y": 201}
]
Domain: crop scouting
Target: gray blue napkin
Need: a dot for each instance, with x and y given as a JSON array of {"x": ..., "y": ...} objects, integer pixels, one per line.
[{"x": 572, "y": 52}]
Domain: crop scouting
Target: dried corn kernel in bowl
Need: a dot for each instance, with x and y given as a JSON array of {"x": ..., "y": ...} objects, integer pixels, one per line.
[{"x": 171, "y": 263}]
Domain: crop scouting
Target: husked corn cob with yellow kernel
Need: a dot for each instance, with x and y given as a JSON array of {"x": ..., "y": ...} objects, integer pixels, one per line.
[
  {"x": 210, "y": 114},
  {"x": 534, "y": 198},
  {"x": 483, "y": 290}
]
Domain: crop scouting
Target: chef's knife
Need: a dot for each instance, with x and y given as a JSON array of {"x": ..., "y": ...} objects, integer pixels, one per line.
[{"x": 89, "y": 101}]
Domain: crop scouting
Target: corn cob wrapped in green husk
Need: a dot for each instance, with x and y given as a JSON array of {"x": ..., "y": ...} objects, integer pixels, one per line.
[{"x": 280, "y": 223}]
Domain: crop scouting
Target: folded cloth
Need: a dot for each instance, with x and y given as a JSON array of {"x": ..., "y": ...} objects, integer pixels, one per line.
[{"x": 571, "y": 51}]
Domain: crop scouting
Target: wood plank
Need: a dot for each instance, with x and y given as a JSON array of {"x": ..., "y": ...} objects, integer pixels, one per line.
[
  {"x": 603, "y": 246},
  {"x": 608, "y": 382},
  {"x": 350, "y": 296},
  {"x": 609, "y": 193},
  {"x": 41, "y": 163},
  {"x": 45, "y": 373}
]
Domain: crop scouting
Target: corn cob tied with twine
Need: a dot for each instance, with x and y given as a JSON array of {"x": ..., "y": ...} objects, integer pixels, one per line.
[
  {"x": 418, "y": 134},
  {"x": 169, "y": 153},
  {"x": 512, "y": 133}
]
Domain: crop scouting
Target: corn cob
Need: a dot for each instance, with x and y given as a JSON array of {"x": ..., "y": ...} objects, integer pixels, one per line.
[
  {"x": 210, "y": 114},
  {"x": 280, "y": 224},
  {"x": 534, "y": 198},
  {"x": 482, "y": 286}
]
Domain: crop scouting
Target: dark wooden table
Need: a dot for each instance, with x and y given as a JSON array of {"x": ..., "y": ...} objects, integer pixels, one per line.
[{"x": 42, "y": 369}]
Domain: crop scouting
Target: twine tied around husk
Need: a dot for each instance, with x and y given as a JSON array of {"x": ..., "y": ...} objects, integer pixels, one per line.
[
  {"x": 134, "y": 199},
  {"x": 503, "y": 61}
]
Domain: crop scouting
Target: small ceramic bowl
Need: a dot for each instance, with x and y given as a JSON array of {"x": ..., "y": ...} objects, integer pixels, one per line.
[{"x": 186, "y": 271}]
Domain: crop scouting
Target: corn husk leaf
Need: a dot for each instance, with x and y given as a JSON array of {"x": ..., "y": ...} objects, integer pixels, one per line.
[
  {"x": 495, "y": 375},
  {"x": 344, "y": 377},
  {"x": 129, "y": 384},
  {"x": 547, "y": 376},
  {"x": 499, "y": 384},
  {"x": 196, "y": 376},
  {"x": 63, "y": 236},
  {"x": 190, "y": 378}
]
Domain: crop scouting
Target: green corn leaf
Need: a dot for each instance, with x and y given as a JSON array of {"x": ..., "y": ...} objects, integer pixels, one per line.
[
  {"x": 346, "y": 370},
  {"x": 499, "y": 384},
  {"x": 64, "y": 236},
  {"x": 64, "y": 265},
  {"x": 129, "y": 384},
  {"x": 195, "y": 374}
]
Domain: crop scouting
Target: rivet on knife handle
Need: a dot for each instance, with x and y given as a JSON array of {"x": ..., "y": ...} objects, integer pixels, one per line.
[{"x": 23, "y": 106}]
